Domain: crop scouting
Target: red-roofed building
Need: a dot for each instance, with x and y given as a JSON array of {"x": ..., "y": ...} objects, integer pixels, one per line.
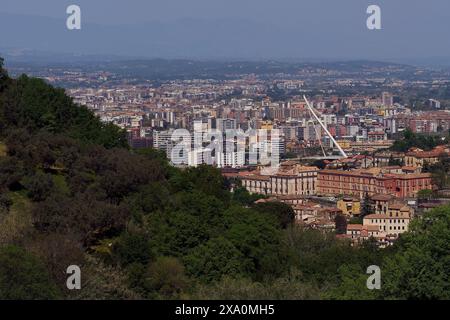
[
  {"x": 418, "y": 158},
  {"x": 373, "y": 181}
]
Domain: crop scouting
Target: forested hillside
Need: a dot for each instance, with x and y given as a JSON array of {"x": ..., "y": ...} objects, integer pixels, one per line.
[{"x": 73, "y": 193}]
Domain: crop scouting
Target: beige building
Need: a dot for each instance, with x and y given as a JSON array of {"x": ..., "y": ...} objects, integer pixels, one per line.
[
  {"x": 297, "y": 180},
  {"x": 359, "y": 232},
  {"x": 394, "y": 222},
  {"x": 391, "y": 218},
  {"x": 311, "y": 213},
  {"x": 418, "y": 158},
  {"x": 292, "y": 199},
  {"x": 381, "y": 202},
  {"x": 301, "y": 182},
  {"x": 256, "y": 183}
]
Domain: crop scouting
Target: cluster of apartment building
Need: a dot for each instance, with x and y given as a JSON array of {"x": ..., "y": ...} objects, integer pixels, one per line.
[
  {"x": 307, "y": 180},
  {"x": 390, "y": 218},
  {"x": 149, "y": 113},
  {"x": 317, "y": 196},
  {"x": 364, "y": 127}
]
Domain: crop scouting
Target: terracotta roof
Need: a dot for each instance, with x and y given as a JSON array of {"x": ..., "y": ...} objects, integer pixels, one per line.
[
  {"x": 376, "y": 216},
  {"x": 382, "y": 197},
  {"x": 360, "y": 227},
  {"x": 372, "y": 228},
  {"x": 413, "y": 176},
  {"x": 355, "y": 173},
  {"x": 396, "y": 206},
  {"x": 436, "y": 152},
  {"x": 254, "y": 177},
  {"x": 355, "y": 227},
  {"x": 382, "y": 216}
]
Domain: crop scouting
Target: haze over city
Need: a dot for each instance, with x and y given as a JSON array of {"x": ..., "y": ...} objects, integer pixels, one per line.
[{"x": 412, "y": 31}]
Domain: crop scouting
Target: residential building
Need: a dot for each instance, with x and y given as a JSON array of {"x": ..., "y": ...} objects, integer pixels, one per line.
[
  {"x": 360, "y": 183},
  {"x": 349, "y": 206}
]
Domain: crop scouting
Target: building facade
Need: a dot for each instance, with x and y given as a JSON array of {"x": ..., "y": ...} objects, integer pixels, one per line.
[
  {"x": 359, "y": 183},
  {"x": 299, "y": 181}
]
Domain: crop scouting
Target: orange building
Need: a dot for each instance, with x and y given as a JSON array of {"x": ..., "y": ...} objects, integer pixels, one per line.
[{"x": 358, "y": 183}]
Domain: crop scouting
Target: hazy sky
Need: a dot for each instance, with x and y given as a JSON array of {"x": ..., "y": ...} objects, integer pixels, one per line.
[
  {"x": 270, "y": 28},
  {"x": 276, "y": 11}
]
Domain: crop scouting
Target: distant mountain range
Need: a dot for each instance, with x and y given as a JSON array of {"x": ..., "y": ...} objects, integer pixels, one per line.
[{"x": 41, "y": 38}]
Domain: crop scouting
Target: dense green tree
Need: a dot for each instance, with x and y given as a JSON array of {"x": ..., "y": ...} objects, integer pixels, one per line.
[
  {"x": 57, "y": 252},
  {"x": 165, "y": 279},
  {"x": 367, "y": 206},
  {"x": 82, "y": 215},
  {"x": 156, "y": 155},
  {"x": 283, "y": 212},
  {"x": 439, "y": 171},
  {"x": 133, "y": 248},
  {"x": 11, "y": 173},
  {"x": 352, "y": 285},
  {"x": 31, "y": 103},
  {"x": 425, "y": 194},
  {"x": 102, "y": 281},
  {"x": 243, "y": 197},
  {"x": 214, "y": 259},
  {"x": 23, "y": 276},
  {"x": 288, "y": 287},
  {"x": 207, "y": 179},
  {"x": 123, "y": 173},
  {"x": 411, "y": 139},
  {"x": 39, "y": 186},
  {"x": 318, "y": 256},
  {"x": 420, "y": 267},
  {"x": 150, "y": 198},
  {"x": 341, "y": 224},
  {"x": 257, "y": 237}
]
